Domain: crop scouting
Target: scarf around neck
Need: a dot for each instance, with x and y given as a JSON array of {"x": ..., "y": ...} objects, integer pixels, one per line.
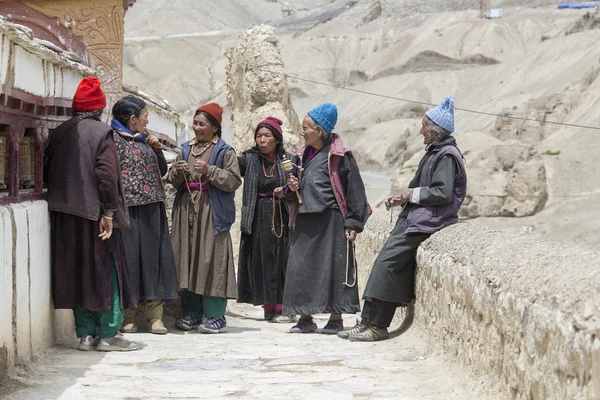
[{"x": 126, "y": 133}]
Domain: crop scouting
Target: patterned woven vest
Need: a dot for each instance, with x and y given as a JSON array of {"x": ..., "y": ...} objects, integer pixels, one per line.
[{"x": 139, "y": 172}]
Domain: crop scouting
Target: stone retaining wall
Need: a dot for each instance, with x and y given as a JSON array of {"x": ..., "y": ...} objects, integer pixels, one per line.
[{"x": 519, "y": 311}]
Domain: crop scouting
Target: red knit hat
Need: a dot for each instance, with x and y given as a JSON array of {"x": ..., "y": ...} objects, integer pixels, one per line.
[
  {"x": 274, "y": 123},
  {"x": 89, "y": 96},
  {"x": 215, "y": 111}
]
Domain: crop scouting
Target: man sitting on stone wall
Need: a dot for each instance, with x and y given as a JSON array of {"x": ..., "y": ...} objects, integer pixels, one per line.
[{"x": 430, "y": 203}]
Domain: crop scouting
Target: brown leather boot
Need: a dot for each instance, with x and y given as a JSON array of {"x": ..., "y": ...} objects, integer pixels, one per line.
[{"x": 157, "y": 327}]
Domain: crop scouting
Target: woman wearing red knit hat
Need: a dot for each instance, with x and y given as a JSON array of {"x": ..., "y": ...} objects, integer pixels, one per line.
[
  {"x": 206, "y": 175},
  {"x": 265, "y": 207},
  {"x": 86, "y": 205}
]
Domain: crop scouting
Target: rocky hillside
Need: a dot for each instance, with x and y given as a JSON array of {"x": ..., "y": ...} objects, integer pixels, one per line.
[{"x": 536, "y": 62}]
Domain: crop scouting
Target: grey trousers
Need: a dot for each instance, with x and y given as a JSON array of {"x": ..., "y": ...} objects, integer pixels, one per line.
[{"x": 392, "y": 277}]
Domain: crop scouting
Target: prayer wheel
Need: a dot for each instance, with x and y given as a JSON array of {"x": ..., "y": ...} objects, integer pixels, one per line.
[
  {"x": 26, "y": 163},
  {"x": 3, "y": 161}
]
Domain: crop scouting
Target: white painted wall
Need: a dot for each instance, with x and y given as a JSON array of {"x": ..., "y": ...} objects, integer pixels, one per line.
[
  {"x": 7, "y": 349},
  {"x": 39, "y": 276},
  {"x": 160, "y": 123},
  {"x": 38, "y": 325},
  {"x": 29, "y": 72},
  {"x": 37, "y": 76},
  {"x": 70, "y": 81},
  {"x": 51, "y": 71},
  {"x": 21, "y": 273},
  {"x": 4, "y": 57}
]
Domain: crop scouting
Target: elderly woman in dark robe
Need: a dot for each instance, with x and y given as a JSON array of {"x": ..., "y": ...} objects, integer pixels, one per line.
[
  {"x": 265, "y": 213},
  {"x": 430, "y": 203},
  {"x": 206, "y": 175},
  {"x": 86, "y": 203},
  {"x": 321, "y": 274},
  {"x": 147, "y": 242}
]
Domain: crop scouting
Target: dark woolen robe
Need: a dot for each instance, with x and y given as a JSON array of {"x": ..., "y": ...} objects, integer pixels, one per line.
[
  {"x": 392, "y": 278},
  {"x": 81, "y": 262},
  {"x": 263, "y": 255},
  {"x": 147, "y": 243},
  {"x": 320, "y": 275}
]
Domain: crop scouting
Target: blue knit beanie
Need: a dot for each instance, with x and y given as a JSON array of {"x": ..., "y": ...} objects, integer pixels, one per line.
[
  {"x": 443, "y": 115},
  {"x": 325, "y": 115}
]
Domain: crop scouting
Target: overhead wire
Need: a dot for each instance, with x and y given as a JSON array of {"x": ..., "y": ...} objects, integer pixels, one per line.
[
  {"x": 506, "y": 116},
  {"x": 485, "y": 113}
]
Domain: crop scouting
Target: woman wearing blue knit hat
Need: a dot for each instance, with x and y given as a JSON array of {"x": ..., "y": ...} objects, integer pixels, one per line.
[
  {"x": 431, "y": 202},
  {"x": 321, "y": 271}
]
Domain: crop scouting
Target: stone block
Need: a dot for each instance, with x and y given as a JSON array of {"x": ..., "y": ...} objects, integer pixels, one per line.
[
  {"x": 40, "y": 276},
  {"x": 21, "y": 265},
  {"x": 64, "y": 326},
  {"x": 6, "y": 292},
  {"x": 29, "y": 71}
]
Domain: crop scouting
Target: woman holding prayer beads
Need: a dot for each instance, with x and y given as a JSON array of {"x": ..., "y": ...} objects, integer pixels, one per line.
[{"x": 206, "y": 176}]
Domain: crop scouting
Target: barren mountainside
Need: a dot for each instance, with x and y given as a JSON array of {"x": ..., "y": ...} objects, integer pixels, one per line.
[{"x": 537, "y": 62}]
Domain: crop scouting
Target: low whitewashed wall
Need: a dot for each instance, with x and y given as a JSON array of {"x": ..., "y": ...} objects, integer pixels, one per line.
[
  {"x": 520, "y": 313},
  {"x": 163, "y": 124},
  {"x": 28, "y": 322},
  {"x": 34, "y": 68}
]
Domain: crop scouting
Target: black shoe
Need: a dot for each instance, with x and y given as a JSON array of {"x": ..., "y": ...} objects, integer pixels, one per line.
[
  {"x": 304, "y": 326},
  {"x": 213, "y": 325},
  {"x": 188, "y": 323},
  {"x": 269, "y": 315},
  {"x": 358, "y": 328},
  {"x": 370, "y": 334},
  {"x": 333, "y": 327}
]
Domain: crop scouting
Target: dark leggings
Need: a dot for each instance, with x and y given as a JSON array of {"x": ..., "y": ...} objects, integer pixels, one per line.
[{"x": 378, "y": 312}]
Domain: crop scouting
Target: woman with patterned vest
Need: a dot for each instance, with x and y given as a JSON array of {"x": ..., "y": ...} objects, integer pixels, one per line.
[
  {"x": 265, "y": 214},
  {"x": 147, "y": 243},
  {"x": 206, "y": 176},
  {"x": 431, "y": 202},
  {"x": 321, "y": 272}
]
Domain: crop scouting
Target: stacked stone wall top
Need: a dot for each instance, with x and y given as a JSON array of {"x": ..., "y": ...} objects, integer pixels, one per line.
[
  {"x": 523, "y": 311},
  {"x": 520, "y": 313}
]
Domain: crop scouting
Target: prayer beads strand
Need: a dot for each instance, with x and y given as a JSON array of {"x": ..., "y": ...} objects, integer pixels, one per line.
[
  {"x": 280, "y": 219},
  {"x": 187, "y": 169}
]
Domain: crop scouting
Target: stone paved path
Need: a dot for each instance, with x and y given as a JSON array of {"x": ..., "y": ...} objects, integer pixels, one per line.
[{"x": 255, "y": 359}]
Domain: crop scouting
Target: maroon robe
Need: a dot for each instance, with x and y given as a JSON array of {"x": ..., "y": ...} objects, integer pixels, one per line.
[{"x": 82, "y": 161}]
